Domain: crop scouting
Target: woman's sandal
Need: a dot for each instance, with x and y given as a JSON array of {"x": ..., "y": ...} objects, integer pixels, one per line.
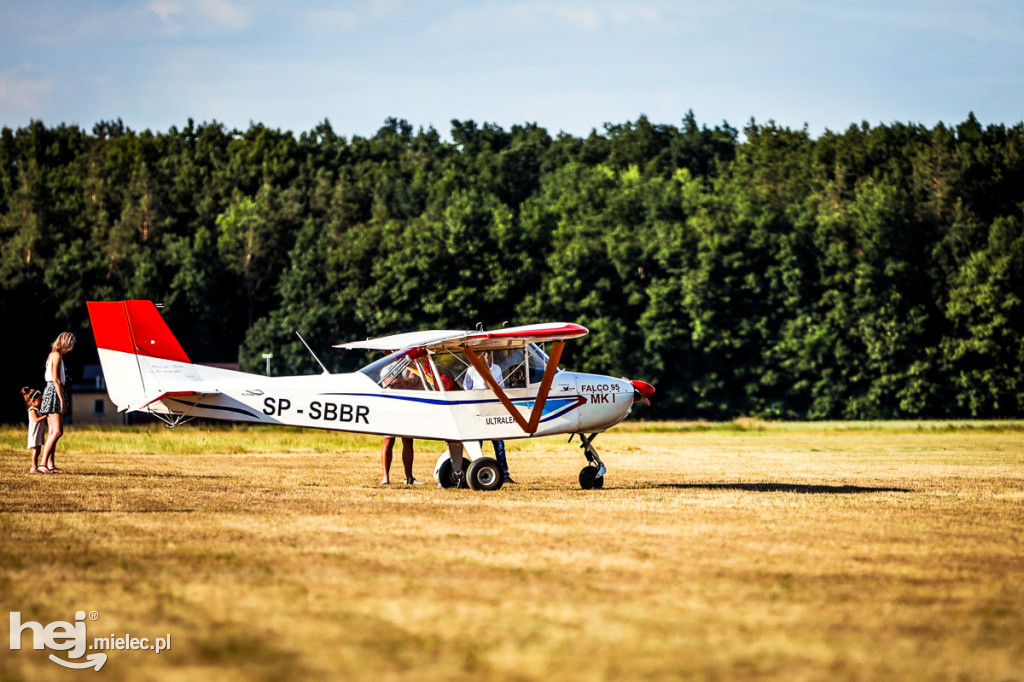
[
  {"x": 55, "y": 470},
  {"x": 39, "y": 470}
]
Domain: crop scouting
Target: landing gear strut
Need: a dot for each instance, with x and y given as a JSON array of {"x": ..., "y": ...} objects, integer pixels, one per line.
[{"x": 592, "y": 475}]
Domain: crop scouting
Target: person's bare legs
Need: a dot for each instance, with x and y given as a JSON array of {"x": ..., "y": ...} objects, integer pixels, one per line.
[
  {"x": 55, "y": 429},
  {"x": 386, "y": 455},
  {"x": 35, "y": 460},
  {"x": 407, "y": 457}
]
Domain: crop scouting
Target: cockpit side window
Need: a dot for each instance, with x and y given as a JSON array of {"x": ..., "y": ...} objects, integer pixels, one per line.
[
  {"x": 452, "y": 369},
  {"x": 513, "y": 364}
]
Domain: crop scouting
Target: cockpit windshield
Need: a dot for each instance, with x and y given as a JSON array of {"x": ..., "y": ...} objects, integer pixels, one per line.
[
  {"x": 413, "y": 370},
  {"x": 510, "y": 368},
  {"x": 406, "y": 369}
]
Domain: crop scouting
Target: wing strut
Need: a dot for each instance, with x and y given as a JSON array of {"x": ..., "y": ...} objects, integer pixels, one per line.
[
  {"x": 545, "y": 385},
  {"x": 542, "y": 395}
]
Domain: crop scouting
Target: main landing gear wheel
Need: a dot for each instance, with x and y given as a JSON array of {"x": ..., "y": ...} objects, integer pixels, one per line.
[
  {"x": 484, "y": 474},
  {"x": 592, "y": 475},
  {"x": 590, "y": 479},
  {"x": 445, "y": 474}
]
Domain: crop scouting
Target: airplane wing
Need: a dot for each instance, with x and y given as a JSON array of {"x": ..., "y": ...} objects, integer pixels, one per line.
[
  {"x": 404, "y": 341},
  {"x": 512, "y": 336},
  {"x": 452, "y": 340},
  {"x": 471, "y": 343}
]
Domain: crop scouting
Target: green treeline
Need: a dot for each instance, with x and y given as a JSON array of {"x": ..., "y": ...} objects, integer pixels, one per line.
[{"x": 869, "y": 274}]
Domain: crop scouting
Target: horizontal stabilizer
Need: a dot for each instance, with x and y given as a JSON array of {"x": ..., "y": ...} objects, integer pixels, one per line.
[{"x": 195, "y": 390}]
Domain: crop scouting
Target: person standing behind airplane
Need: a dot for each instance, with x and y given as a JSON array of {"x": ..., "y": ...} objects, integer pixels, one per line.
[
  {"x": 386, "y": 455},
  {"x": 408, "y": 381},
  {"x": 55, "y": 400},
  {"x": 473, "y": 381}
]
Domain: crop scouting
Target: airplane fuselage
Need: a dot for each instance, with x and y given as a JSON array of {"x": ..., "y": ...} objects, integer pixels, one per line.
[{"x": 577, "y": 402}]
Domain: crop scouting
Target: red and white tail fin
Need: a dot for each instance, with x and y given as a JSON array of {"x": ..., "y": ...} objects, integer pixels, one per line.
[{"x": 138, "y": 352}]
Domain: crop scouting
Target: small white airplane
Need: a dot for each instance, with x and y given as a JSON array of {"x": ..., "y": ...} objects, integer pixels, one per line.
[{"x": 416, "y": 390}]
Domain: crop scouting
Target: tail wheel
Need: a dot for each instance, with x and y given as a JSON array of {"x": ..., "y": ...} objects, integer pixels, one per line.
[
  {"x": 589, "y": 478},
  {"x": 484, "y": 474},
  {"x": 445, "y": 474}
]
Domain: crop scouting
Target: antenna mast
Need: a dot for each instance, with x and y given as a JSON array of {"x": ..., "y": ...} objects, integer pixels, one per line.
[{"x": 311, "y": 352}]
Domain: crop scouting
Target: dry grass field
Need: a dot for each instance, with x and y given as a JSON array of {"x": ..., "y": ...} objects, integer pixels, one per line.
[{"x": 741, "y": 551}]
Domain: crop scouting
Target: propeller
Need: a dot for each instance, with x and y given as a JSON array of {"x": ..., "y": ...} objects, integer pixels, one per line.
[{"x": 642, "y": 391}]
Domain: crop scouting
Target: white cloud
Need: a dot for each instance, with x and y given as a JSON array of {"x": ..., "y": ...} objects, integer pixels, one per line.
[
  {"x": 589, "y": 19},
  {"x": 198, "y": 14},
  {"x": 596, "y": 16},
  {"x": 983, "y": 21},
  {"x": 333, "y": 20},
  {"x": 554, "y": 16},
  {"x": 165, "y": 9},
  {"x": 383, "y": 8},
  {"x": 225, "y": 12},
  {"x": 23, "y": 94},
  {"x": 344, "y": 17}
]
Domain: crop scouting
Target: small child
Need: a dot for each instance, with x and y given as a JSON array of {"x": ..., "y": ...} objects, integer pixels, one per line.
[{"x": 33, "y": 399}]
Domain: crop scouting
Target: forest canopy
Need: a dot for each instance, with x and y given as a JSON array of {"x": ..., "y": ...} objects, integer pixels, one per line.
[{"x": 873, "y": 273}]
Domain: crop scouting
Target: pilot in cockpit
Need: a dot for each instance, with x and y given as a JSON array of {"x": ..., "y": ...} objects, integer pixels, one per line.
[{"x": 474, "y": 382}]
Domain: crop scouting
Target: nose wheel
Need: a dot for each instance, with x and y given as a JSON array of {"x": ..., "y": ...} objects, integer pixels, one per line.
[{"x": 592, "y": 475}]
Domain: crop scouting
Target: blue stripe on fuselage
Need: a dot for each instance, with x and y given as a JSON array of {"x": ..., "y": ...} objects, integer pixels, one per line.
[{"x": 554, "y": 407}]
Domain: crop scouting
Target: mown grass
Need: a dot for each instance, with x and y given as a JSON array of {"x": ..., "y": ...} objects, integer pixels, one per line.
[{"x": 752, "y": 550}]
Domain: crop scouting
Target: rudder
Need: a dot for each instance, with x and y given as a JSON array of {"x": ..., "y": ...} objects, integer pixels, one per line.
[{"x": 132, "y": 338}]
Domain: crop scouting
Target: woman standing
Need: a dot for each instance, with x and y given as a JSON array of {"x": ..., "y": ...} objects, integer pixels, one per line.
[{"x": 55, "y": 399}]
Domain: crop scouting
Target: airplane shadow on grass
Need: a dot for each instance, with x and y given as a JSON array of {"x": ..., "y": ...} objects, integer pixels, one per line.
[
  {"x": 72, "y": 510},
  {"x": 142, "y": 474},
  {"x": 784, "y": 488}
]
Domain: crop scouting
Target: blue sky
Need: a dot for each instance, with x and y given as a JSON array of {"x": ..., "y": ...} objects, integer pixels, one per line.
[{"x": 567, "y": 65}]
